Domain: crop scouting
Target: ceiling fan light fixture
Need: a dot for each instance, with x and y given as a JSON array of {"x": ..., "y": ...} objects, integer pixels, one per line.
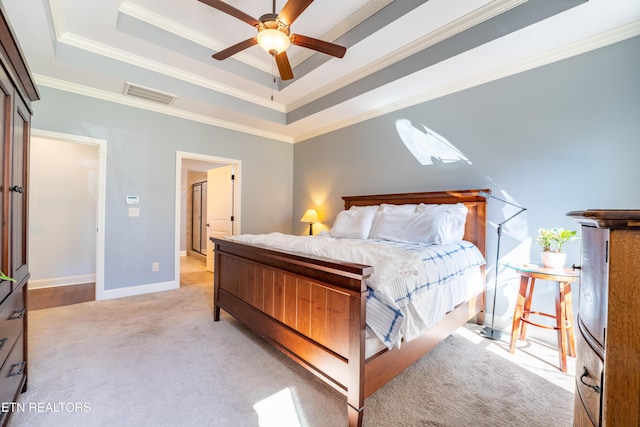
[{"x": 273, "y": 41}]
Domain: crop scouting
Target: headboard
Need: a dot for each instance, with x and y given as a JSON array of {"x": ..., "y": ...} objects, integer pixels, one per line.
[{"x": 476, "y": 225}]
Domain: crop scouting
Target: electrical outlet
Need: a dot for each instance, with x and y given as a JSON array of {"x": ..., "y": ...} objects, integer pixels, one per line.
[{"x": 155, "y": 266}]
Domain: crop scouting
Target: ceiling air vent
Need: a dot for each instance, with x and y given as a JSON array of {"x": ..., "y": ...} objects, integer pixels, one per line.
[{"x": 148, "y": 94}]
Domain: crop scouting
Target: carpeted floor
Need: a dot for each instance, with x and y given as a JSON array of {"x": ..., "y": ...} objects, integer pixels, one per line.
[{"x": 160, "y": 360}]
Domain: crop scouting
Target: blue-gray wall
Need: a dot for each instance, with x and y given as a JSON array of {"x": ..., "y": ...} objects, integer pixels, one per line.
[
  {"x": 558, "y": 138},
  {"x": 141, "y": 160},
  {"x": 554, "y": 139}
]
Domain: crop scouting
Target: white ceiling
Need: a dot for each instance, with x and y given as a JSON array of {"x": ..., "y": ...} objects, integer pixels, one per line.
[{"x": 399, "y": 53}]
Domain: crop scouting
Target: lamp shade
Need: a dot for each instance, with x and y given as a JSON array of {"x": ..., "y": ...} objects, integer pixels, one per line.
[
  {"x": 273, "y": 41},
  {"x": 310, "y": 216}
]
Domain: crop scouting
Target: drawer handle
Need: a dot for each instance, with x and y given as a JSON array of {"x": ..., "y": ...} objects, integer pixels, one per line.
[
  {"x": 20, "y": 365},
  {"x": 18, "y": 314},
  {"x": 3, "y": 341},
  {"x": 576, "y": 267},
  {"x": 585, "y": 373}
]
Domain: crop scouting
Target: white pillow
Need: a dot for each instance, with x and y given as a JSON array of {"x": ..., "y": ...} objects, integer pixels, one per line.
[
  {"x": 390, "y": 209},
  {"x": 398, "y": 208},
  {"x": 451, "y": 220},
  {"x": 371, "y": 208},
  {"x": 422, "y": 224},
  {"x": 354, "y": 223}
]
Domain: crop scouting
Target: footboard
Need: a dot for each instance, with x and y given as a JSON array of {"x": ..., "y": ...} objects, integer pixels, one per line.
[{"x": 312, "y": 309}]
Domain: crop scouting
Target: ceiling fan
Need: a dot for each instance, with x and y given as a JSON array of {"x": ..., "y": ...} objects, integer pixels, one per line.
[{"x": 273, "y": 34}]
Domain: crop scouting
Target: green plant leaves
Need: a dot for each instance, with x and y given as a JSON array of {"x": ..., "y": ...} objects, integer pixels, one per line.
[
  {"x": 553, "y": 239},
  {"x": 5, "y": 277}
]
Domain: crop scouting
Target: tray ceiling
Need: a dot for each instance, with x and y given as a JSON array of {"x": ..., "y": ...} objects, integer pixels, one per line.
[{"x": 156, "y": 54}]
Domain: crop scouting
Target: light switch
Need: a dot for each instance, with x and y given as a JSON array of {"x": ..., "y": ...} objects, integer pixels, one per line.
[{"x": 134, "y": 211}]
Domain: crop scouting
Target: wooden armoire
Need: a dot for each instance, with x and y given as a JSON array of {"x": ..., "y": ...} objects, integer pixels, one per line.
[
  {"x": 608, "y": 330},
  {"x": 17, "y": 91}
]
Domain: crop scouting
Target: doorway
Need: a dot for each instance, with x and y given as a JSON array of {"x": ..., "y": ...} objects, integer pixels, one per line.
[
  {"x": 194, "y": 250},
  {"x": 73, "y": 218}
]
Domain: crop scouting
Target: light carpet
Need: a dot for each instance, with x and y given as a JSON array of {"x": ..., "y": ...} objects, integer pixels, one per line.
[{"x": 160, "y": 360}]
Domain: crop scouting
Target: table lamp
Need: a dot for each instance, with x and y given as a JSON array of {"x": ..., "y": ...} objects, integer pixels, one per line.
[{"x": 310, "y": 216}]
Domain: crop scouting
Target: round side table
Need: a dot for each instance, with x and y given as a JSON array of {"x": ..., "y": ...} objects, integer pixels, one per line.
[{"x": 564, "y": 308}]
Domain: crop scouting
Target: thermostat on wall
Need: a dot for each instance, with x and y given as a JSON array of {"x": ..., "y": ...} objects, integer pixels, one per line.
[{"x": 133, "y": 200}]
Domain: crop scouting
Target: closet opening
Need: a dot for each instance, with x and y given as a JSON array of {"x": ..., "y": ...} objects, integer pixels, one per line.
[{"x": 199, "y": 217}]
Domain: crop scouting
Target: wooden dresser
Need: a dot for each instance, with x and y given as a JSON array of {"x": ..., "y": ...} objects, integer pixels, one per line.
[
  {"x": 17, "y": 91},
  {"x": 608, "y": 337}
]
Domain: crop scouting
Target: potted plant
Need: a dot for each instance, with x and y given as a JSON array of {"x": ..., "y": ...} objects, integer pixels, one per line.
[{"x": 552, "y": 241}]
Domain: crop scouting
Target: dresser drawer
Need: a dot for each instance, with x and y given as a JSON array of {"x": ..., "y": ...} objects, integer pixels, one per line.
[
  {"x": 11, "y": 321},
  {"x": 589, "y": 369},
  {"x": 12, "y": 374}
]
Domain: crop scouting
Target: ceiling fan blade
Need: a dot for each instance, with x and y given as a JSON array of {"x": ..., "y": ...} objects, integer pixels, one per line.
[
  {"x": 286, "y": 73},
  {"x": 319, "y": 45},
  {"x": 292, "y": 9},
  {"x": 230, "y": 10},
  {"x": 232, "y": 50}
]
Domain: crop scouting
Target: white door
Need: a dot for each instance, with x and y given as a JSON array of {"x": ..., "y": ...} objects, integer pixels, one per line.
[{"x": 219, "y": 207}]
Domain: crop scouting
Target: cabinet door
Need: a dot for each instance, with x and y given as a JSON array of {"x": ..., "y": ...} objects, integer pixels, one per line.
[
  {"x": 18, "y": 190},
  {"x": 5, "y": 134},
  {"x": 594, "y": 282}
]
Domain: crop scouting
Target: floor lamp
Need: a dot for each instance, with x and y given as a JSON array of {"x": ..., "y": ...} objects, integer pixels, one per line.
[{"x": 491, "y": 332}]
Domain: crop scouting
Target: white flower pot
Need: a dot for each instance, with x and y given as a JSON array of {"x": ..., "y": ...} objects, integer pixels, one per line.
[{"x": 553, "y": 259}]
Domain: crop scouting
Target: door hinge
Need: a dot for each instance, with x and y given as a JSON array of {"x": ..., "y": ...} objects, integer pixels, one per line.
[
  {"x": 233, "y": 177},
  {"x": 232, "y": 218}
]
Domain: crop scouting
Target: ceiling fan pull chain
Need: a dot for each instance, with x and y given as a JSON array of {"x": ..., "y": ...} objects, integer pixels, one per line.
[{"x": 273, "y": 72}]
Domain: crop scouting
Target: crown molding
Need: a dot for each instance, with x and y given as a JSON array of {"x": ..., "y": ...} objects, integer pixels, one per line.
[
  {"x": 152, "y": 106},
  {"x": 476, "y": 17},
  {"x": 158, "y": 67},
  {"x": 343, "y": 27},
  {"x": 601, "y": 40},
  {"x": 576, "y": 48},
  {"x": 486, "y": 12},
  {"x": 582, "y": 46},
  {"x": 159, "y": 21},
  {"x": 151, "y": 18},
  {"x": 57, "y": 16}
]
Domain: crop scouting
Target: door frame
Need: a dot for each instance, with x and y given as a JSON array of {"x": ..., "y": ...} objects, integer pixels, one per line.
[
  {"x": 183, "y": 155},
  {"x": 101, "y": 200}
]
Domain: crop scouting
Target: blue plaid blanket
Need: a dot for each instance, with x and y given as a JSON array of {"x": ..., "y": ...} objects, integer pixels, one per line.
[{"x": 439, "y": 265}]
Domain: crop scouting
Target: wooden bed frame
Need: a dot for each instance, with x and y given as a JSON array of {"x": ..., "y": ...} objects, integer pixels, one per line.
[{"x": 313, "y": 309}]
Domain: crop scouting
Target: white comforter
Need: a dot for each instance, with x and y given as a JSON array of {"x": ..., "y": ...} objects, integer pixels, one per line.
[
  {"x": 402, "y": 271},
  {"x": 390, "y": 263}
]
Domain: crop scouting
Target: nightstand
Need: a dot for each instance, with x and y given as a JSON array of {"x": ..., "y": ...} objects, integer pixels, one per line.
[{"x": 564, "y": 307}]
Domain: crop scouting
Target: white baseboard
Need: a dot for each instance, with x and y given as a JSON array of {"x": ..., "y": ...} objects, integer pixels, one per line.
[
  {"x": 137, "y": 290},
  {"x": 62, "y": 281},
  {"x": 183, "y": 253}
]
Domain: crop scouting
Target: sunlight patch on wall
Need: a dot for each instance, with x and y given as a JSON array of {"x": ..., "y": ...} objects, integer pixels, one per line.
[
  {"x": 426, "y": 145},
  {"x": 277, "y": 410}
]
